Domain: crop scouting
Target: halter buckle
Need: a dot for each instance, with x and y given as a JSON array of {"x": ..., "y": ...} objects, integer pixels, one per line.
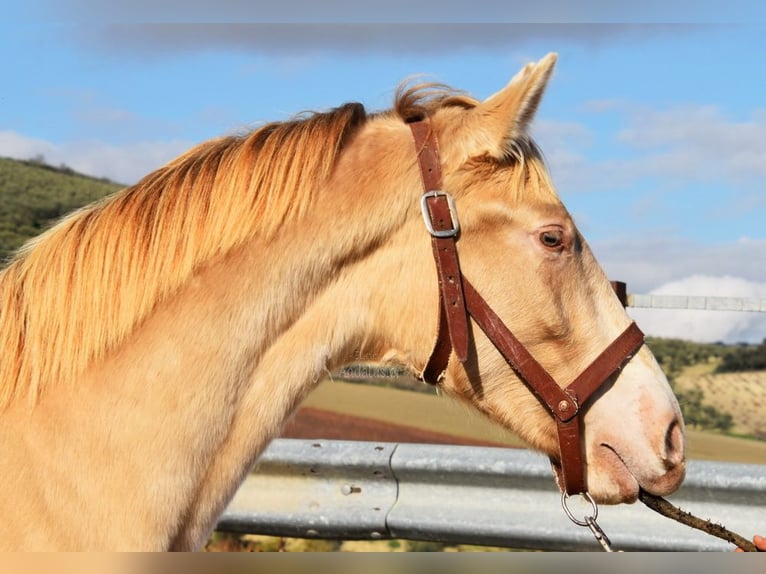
[{"x": 440, "y": 233}]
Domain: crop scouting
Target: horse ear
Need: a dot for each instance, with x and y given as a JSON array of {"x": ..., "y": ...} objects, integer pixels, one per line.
[{"x": 505, "y": 116}]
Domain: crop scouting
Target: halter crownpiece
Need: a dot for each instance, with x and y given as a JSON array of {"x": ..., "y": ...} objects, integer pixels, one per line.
[{"x": 458, "y": 299}]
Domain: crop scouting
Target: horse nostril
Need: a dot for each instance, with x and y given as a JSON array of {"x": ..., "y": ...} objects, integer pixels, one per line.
[{"x": 674, "y": 445}]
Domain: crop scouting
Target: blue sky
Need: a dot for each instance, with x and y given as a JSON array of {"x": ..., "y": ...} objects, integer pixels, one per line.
[{"x": 653, "y": 125}]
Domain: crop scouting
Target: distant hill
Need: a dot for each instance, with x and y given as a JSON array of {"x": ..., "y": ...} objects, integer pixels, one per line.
[{"x": 33, "y": 195}]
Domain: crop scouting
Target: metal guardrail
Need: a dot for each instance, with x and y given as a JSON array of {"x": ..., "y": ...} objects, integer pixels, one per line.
[
  {"x": 478, "y": 495},
  {"x": 745, "y": 304}
]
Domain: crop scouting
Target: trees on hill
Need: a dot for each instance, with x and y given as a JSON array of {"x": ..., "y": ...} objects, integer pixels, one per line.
[
  {"x": 744, "y": 358},
  {"x": 33, "y": 195}
]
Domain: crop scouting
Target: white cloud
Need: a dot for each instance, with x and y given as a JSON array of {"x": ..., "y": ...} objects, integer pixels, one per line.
[
  {"x": 682, "y": 145},
  {"x": 645, "y": 263},
  {"x": 699, "y": 142},
  {"x": 121, "y": 163},
  {"x": 706, "y": 326}
]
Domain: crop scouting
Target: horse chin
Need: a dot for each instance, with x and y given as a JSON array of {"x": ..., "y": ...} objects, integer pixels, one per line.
[{"x": 610, "y": 481}]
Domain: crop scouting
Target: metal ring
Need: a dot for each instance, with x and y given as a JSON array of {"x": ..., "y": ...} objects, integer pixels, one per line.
[{"x": 586, "y": 496}]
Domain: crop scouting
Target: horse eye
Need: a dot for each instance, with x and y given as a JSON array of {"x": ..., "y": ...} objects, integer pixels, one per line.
[{"x": 552, "y": 239}]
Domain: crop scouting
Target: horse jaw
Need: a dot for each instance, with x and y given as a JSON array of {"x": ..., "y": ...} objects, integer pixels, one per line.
[{"x": 623, "y": 453}]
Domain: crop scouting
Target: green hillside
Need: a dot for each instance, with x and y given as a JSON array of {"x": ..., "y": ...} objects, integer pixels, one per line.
[{"x": 33, "y": 195}]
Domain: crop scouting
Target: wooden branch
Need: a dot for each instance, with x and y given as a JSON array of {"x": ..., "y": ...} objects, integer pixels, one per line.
[{"x": 662, "y": 506}]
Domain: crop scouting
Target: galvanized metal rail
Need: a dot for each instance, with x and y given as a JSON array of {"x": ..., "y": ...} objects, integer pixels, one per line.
[
  {"x": 491, "y": 496},
  {"x": 745, "y": 304}
]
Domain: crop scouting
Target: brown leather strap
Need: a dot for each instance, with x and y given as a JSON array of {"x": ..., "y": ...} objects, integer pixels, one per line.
[
  {"x": 427, "y": 149},
  {"x": 571, "y": 452},
  {"x": 594, "y": 377},
  {"x": 562, "y": 405},
  {"x": 607, "y": 363},
  {"x": 516, "y": 355},
  {"x": 452, "y": 312},
  {"x": 439, "y": 358},
  {"x": 565, "y": 404},
  {"x": 450, "y": 279}
]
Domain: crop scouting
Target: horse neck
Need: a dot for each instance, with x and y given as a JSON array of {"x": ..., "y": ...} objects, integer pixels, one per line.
[
  {"x": 187, "y": 402},
  {"x": 303, "y": 314}
]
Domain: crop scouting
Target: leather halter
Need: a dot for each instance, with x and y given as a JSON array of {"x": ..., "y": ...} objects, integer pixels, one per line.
[{"x": 458, "y": 299}]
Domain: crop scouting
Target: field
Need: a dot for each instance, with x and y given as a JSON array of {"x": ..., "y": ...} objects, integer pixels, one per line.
[
  {"x": 313, "y": 423},
  {"x": 743, "y": 395},
  {"x": 343, "y": 410},
  {"x": 410, "y": 412}
]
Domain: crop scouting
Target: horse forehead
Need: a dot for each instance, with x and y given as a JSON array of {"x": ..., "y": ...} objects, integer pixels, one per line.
[
  {"x": 505, "y": 208},
  {"x": 552, "y": 211}
]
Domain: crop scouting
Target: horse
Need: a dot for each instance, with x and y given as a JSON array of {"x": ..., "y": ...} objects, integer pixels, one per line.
[{"x": 154, "y": 343}]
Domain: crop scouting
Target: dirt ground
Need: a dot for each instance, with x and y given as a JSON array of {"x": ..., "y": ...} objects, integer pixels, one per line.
[{"x": 314, "y": 423}]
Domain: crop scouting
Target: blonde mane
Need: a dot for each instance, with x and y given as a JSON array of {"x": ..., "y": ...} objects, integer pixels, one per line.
[{"x": 77, "y": 290}]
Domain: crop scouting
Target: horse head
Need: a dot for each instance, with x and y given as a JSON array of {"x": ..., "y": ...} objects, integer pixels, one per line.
[{"x": 521, "y": 250}]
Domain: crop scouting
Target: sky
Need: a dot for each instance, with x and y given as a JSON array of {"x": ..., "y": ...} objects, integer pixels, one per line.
[{"x": 653, "y": 126}]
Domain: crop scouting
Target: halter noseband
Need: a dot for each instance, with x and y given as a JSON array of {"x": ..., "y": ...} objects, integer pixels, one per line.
[{"x": 458, "y": 299}]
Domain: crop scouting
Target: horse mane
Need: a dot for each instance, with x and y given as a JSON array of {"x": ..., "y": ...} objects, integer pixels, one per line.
[
  {"x": 79, "y": 289},
  {"x": 417, "y": 101}
]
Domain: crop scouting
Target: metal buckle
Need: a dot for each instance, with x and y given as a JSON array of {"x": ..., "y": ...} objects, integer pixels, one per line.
[{"x": 427, "y": 215}]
